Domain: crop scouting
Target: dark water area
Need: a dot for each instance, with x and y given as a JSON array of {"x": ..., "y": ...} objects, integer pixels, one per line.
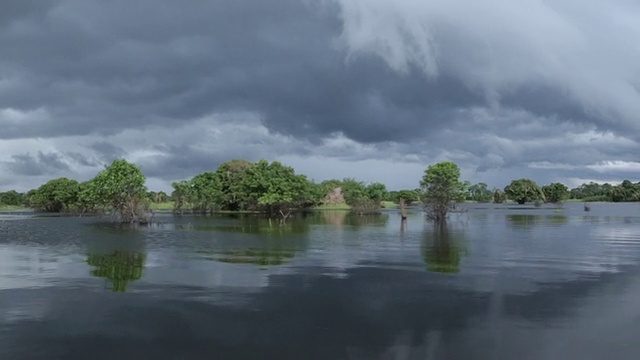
[{"x": 498, "y": 282}]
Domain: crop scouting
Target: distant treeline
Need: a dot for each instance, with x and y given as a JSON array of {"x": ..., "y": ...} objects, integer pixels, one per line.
[{"x": 271, "y": 187}]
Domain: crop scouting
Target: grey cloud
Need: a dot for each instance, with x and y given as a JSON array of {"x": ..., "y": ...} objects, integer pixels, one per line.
[
  {"x": 407, "y": 81},
  {"x": 106, "y": 151},
  {"x": 82, "y": 159},
  {"x": 41, "y": 164}
]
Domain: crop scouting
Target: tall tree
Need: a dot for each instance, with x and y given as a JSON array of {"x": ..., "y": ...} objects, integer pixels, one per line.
[
  {"x": 55, "y": 196},
  {"x": 229, "y": 177},
  {"x": 121, "y": 189},
  {"x": 480, "y": 192},
  {"x": 277, "y": 189},
  {"x": 555, "y": 192},
  {"x": 523, "y": 190},
  {"x": 441, "y": 189}
]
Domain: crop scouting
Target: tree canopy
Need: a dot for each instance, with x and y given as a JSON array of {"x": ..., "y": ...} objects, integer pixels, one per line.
[
  {"x": 480, "y": 192},
  {"x": 523, "y": 191},
  {"x": 119, "y": 188},
  {"x": 240, "y": 185},
  {"x": 555, "y": 192},
  {"x": 56, "y": 195},
  {"x": 441, "y": 189}
]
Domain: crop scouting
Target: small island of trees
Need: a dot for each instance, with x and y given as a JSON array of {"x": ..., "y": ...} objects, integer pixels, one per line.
[{"x": 277, "y": 190}]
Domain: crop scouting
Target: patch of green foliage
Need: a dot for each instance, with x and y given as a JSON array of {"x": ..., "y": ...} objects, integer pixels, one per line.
[
  {"x": 441, "y": 189},
  {"x": 239, "y": 185},
  {"x": 555, "y": 192},
  {"x": 523, "y": 191}
]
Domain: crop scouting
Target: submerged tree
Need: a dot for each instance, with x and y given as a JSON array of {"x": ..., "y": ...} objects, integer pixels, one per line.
[
  {"x": 120, "y": 189},
  {"x": 408, "y": 196},
  {"x": 479, "y": 192},
  {"x": 499, "y": 196},
  {"x": 56, "y": 195},
  {"x": 441, "y": 189},
  {"x": 228, "y": 177},
  {"x": 555, "y": 192},
  {"x": 523, "y": 191},
  {"x": 276, "y": 189},
  {"x": 12, "y": 197}
]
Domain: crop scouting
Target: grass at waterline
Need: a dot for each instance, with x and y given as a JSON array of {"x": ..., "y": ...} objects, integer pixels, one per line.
[
  {"x": 12, "y": 208},
  {"x": 168, "y": 206},
  {"x": 388, "y": 204},
  {"x": 163, "y": 206},
  {"x": 332, "y": 207}
]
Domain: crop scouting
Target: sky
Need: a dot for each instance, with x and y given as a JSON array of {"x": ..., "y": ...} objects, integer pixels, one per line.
[{"x": 375, "y": 90}]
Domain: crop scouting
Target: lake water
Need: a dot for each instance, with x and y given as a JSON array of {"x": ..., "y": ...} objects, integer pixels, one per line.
[{"x": 497, "y": 282}]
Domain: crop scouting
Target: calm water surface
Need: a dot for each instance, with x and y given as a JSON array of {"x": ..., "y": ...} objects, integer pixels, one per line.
[{"x": 496, "y": 283}]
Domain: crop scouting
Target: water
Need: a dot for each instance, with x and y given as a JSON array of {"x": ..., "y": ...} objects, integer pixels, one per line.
[{"x": 496, "y": 283}]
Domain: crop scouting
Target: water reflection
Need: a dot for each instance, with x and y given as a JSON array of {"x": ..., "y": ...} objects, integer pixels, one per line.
[
  {"x": 366, "y": 220},
  {"x": 119, "y": 261},
  {"x": 524, "y": 221},
  {"x": 120, "y": 267},
  {"x": 246, "y": 224},
  {"x": 442, "y": 249},
  {"x": 256, "y": 256}
]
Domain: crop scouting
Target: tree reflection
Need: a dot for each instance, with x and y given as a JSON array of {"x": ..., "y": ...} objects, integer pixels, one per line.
[
  {"x": 442, "y": 249},
  {"x": 525, "y": 221},
  {"x": 119, "y": 267},
  {"x": 256, "y": 256}
]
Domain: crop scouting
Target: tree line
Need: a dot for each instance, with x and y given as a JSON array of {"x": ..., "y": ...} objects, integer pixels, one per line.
[{"x": 275, "y": 189}]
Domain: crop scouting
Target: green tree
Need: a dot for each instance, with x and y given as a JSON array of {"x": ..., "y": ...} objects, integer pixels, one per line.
[
  {"x": 376, "y": 191},
  {"x": 593, "y": 192},
  {"x": 441, "y": 189},
  {"x": 120, "y": 188},
  {"x": 204, "y": 192},
  {"x": 499, "y": 196},
  {"x": 277, "y": 189},
  {"x": 55, "y": 196},
  {"x": 181, "y": 196},
  {"x": 229, "y": 179},
  {"x": 523, "y": 190},
  {"x": 480, "y": 192},
  {"x": 626, "y": 191},
  {"x": 353, "y": 190},
  {"x": 555, "y": 192},
  {"x": 409, "y": 196},
  {"x": 12, "y": 197}
]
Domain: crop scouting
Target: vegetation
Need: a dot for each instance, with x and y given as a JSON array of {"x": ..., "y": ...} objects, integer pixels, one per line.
[
  {"x": 275, "y": 189},
  {"x": 239, "y": 185},
  {"x": 58, "y": 195},
  {"x": 120, "y": 189},
  {"x": 12, "y": 198},
  {"x": 523, "y": 191},
  {"x": 408, "y": 196},
  {"x": 555, "y": 192},
  {"x": 441, "y": 189},
  {"x": 499, "y": 196},
  {"x": 480, "y": 192},
  {"x": 360, "y": 198}
]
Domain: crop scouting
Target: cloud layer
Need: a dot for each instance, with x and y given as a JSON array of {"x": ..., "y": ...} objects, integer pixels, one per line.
[{"x": 372, "y": 89}]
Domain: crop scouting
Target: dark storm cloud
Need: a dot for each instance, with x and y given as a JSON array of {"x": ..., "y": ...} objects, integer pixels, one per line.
[
  {"x": 106, "y": 66},
  {"x": 41, "y": 164},
  {"x": 82, "y": 159},
  {"x": 106, "y": 151},
  {"x": 492, "y": 86}
]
